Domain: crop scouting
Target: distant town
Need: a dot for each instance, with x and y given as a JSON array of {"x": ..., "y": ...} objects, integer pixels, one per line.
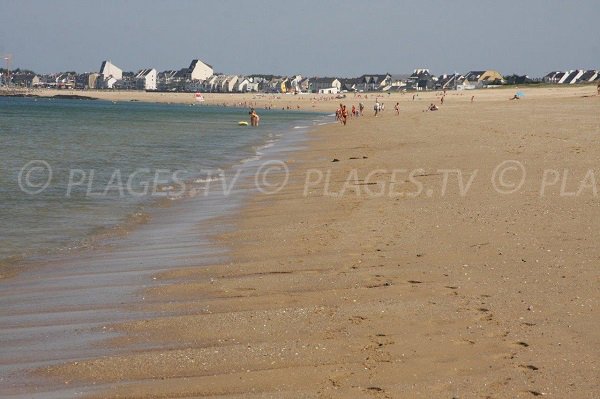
[{"x": 200, "y": 76}]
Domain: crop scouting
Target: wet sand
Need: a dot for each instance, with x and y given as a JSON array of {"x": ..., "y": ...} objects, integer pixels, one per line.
[{"x": 379, "y": 278}]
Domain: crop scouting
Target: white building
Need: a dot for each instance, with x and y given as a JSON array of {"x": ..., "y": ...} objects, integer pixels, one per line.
[
  {"x": 326, "y": 85},
  {"x": 145, "y": 79},
  {"x": 224, "y": 84},
  {"x": 589, "y": 76},
  {"x": 252, "y": 85},
  {"x": 230, "y": 84},
  {"x": 109, "y": 69},
  {"x": 107, "y": 83},
  {"x": 198, "y": 70},
  {"x": 109, "y": 75},
  {"x": 329, "y": 90},
  {"x": 219, "y": 85},
  {"x": 242, "y": 84},
  {"x": 574, "y": 76},
  {"x": 564, "y": 77},
  {"x": 295, "y": 83},
  {"x": 209, "y": 83}
]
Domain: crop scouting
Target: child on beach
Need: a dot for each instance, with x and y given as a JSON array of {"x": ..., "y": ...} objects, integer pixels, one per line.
[{"x": 397, "y": 108}]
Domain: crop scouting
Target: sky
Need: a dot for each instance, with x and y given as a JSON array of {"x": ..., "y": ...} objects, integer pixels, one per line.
[{"x": 308, "y": 37}]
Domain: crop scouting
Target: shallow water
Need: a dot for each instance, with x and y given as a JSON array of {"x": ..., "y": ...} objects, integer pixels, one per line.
[
  {"x": 105, "y": 163},
  {"x": 65, "y": 296}
]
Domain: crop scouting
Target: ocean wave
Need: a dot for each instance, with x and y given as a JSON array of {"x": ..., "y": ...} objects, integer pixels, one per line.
[
  {"x": 208, "y": 179},
  {"x": 251, "y": 159}
]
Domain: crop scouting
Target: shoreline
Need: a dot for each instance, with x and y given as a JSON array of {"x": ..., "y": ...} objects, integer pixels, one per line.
[
  {"x": 357, "y": 294},
  {"x": 102, "y": 236},
  {"x": 93, "y": 269},
  {"x": 308, "y": 101}
]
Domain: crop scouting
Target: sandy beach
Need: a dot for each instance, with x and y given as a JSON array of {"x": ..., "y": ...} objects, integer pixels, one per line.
[
  {"x": 316, "y": 102},
  {"x": 447, "y": 254}
]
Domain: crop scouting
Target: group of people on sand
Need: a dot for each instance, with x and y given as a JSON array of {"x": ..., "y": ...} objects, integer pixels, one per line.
[
  {"x": 254, "y": 118},
  {"x": 342, "y": 114}
]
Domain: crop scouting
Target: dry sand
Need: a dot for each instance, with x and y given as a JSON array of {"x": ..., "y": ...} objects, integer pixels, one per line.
[
  {"x": 354, "y": 294},
  {"x": 319, "y": 102}
]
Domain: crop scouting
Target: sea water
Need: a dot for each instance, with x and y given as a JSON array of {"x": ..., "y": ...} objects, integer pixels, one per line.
[
  {"x": 104, "y": 163},
  {"x": 88, "y": 239}
]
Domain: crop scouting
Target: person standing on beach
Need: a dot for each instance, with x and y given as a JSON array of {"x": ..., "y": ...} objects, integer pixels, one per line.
[
  {"x": 344, "y": 115},
  {"x": 361, "y": 108},
  {"x": 397, "y": 108},
  {"x": 339, "y": 114},
  {"x": 376, "y": 108}
]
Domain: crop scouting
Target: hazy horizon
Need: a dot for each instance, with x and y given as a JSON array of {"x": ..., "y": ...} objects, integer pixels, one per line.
[{"x": 342, "y": 39}]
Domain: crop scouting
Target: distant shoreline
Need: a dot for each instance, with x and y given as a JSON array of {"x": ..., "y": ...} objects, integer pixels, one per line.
[
  {"x": 60, "y": 96},
  {"x": 312, "y": 102}
]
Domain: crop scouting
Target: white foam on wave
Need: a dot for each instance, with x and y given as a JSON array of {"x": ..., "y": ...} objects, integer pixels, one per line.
[
  {"x": 268, "y": 145},
  {"x": 250, "y": 159},
  {"x": 208, "y": 179}
]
